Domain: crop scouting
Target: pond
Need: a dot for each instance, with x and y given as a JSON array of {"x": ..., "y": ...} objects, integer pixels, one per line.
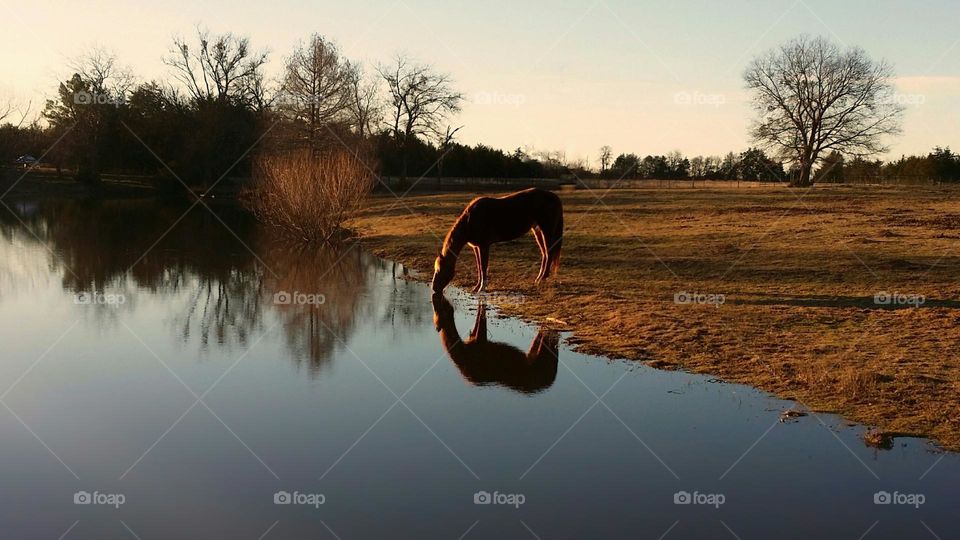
[{"x": 177, "y": 372}]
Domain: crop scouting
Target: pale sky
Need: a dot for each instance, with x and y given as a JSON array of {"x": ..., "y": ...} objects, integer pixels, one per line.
[{"x": 644, "y": 77}]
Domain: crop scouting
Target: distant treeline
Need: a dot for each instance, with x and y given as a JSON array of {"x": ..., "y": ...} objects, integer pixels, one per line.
[
  {"x": 941, "y": 165},
  {"x": 218, "y": 111}
]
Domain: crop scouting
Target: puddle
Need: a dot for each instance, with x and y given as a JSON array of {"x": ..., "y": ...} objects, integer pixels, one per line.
[{"x": 225, "y": 384}]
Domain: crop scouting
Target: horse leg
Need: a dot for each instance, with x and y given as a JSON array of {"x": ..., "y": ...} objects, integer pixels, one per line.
[
  {"x": 556, "y": 244},
  {"x": 476, "y": 255},
  {"x": 479, "y": 332},
  {"x": 542, "y": 244},
  {"x": 484, "y": 252}
]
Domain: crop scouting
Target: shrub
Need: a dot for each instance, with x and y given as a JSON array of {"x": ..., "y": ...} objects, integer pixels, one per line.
[{"x": 308, "y": 195}]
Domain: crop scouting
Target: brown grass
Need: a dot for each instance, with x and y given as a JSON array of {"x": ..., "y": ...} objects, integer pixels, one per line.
[
  {"x": 799, "y": 270},
  {"x": 309, "y": 195}
]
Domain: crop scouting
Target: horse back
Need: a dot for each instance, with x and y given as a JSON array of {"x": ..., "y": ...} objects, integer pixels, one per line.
[{"x": 505, "y": 218}]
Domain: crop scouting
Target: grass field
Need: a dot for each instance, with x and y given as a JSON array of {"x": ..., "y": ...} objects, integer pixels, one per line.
[{"x": 788, "y": 279}]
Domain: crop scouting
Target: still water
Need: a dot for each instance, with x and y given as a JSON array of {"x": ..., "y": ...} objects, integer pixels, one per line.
[{"x": 180, "y": 374}]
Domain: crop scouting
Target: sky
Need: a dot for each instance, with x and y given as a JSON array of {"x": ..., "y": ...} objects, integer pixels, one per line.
[{"x": 641, "y": 76}]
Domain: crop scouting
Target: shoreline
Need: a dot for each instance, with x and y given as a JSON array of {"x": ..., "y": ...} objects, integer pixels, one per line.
[{"x": 814, "y": 337}]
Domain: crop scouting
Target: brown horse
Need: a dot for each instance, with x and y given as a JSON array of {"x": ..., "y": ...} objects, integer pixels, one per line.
[
  {"x": 483, "y": 363},
  {"x": 488, "y": 220}
]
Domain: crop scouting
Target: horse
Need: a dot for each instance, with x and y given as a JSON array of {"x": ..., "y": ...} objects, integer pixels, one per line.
[
  {"x": 488, "y": 220},
  {"x": 483, "y": 362}
]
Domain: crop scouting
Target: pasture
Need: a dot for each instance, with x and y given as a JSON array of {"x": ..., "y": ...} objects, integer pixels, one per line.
[{"x": 843, "y": 298}]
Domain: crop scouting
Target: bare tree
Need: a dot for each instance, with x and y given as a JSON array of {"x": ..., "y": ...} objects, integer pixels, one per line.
[
  {"x": 445, "y": 142},
  {"x": 813, "y": 97},
  {"x": 421, "y": 100},
  {"x": 103, "y": 73},
  {"x": 219, "y": 68},
  {"x": 366, "y": 106},
  {"x": 606, "y": 155},
  {"x": 318, "y": 89},
  {"x": 10, "y": 106}
]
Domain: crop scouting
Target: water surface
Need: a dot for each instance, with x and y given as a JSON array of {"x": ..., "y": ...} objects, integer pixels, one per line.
[{"x": 184, "y": 361}]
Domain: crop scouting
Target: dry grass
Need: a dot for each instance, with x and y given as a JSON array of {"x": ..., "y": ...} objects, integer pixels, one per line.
[
  {"x": 309, "y": 195},
  {"x": 799, "y": 270}
]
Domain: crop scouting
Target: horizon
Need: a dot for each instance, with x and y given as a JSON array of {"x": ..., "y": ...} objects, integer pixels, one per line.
[{"x": 554, "y": 80}]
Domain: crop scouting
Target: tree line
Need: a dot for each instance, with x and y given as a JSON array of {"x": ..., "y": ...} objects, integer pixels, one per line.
[
  {"x": 821, "y": 110},
  {"x": 752, "y": 164}
]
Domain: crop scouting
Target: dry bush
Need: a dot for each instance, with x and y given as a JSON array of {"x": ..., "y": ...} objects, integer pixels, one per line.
[{"x": 308, "y": 195}]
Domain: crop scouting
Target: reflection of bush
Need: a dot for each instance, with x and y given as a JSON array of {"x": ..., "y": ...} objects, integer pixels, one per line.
[{"x": 314, "y": 331}]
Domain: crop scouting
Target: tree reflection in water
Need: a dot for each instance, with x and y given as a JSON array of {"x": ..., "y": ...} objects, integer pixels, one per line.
[{"x": 217, "y": 274}]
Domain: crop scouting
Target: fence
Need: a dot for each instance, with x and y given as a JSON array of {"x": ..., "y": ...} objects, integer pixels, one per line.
[
  {"x": 462, "y": 184},
  {"x": 505, "y": 184},
  {"x": 892, "y": 180}
]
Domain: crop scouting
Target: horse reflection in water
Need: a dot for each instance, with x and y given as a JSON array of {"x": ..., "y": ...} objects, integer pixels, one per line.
[{"x": 483, "y": 362}]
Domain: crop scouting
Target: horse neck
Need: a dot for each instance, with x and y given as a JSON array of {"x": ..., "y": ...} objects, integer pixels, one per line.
[{"x": 455, "y": 240}]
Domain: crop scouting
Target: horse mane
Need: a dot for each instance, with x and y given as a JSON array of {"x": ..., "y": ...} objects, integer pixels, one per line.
[{"x": 454, "y": 241}]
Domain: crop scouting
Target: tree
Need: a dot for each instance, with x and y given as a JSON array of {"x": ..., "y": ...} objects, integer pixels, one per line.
[
  {"x": 365, "y": 105},
  {"x": 654, "y": 167},
  {"x": 102, "y": 72},
  {"x": 606, "y": 153},
  {"x": 698, "y": 167},
  {"x": 813, "y": 97},
  {"x": 625, "y": 166},
  {"x": 862, "y": 170},
  {"x": 444, "y": 146},
  {"x": 945, "y": 164},
  {"x": 10, "y": 106},
  {"x": 224, "y": 81},
  {"x": 677, "y": 165},
  {"x": 729, "y": 168},
  {"x": 87, "y": 112},
  {"x": 219, "y": 68},
  {"x": 832, "y": 168},
  {"x": 754, "y": 165},
  {"x": 317, "y": 91},
  {"x": 421, "y": 100}
]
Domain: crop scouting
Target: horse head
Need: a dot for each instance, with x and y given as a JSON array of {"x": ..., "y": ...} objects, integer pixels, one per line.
[{"x": 443, "y": 268}]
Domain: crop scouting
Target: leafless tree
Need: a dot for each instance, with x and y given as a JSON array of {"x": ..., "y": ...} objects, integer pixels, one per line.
[
  {"x": 698, "y": 167},
  {"x": 219, "y": 68},
  {"x": 366, "y": 105},
  {"x": 445, "y": 142},
  {"x": 100, "y": 69},
  {"x": 606, "y": 154},
  {"x": 318, "y": 88},
  {"x": 12, "y": 109},
  {"x": 420, "y": 102},
  {"x": 814, "y": 97}
]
